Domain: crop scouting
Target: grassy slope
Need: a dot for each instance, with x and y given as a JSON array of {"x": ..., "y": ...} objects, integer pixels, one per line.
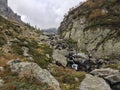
[
  {"x": 105, "y": 13},
  {"x": 14, "y": 36}
]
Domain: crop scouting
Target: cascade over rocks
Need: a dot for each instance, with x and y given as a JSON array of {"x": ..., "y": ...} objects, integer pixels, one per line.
[
  {"x": 113, "y": 79},
  {"x": 66, "y": 56}
]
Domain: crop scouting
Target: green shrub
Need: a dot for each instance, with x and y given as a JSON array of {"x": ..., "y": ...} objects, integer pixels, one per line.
[
  {"x": 40, "y": 57},
  {"x": 15, "y": 85},
  {"x": 47, "y": 49},
  {"x": 2, "y": 41},
  {"x": 71, "y": 43},
  {"x": 13, "y": 82},
  {"x": 68, "y": 78},
  {"x": 17, "y": 49},
  {"x": 113, "y": 66}
]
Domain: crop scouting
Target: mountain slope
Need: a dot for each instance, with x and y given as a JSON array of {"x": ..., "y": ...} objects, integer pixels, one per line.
[
  {"x": 95, "y": 26},
  {"x": 21, "y": 42}
]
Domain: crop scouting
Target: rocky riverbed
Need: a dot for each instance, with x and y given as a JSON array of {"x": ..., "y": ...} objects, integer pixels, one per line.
[{"x": 68, "y": 57}]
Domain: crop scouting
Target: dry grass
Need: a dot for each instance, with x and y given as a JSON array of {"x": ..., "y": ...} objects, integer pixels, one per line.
[
  {"x": 68, "y": 78},
  {"x": 113, "y": 66},
  {"x": 12, "y": 81},
  {"x": 95, "y": 14},
  {"x": 3, "y": 61}
]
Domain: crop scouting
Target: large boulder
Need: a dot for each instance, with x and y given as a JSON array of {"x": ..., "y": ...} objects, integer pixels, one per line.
[
  {"x": 113, "y": 79},
  {"x": 111, "y": 75},
  {"x": 103, "y": 72},
  {"x": 29, "y": 70},
  {"x": 94, "y": 83},
  {"x": 59, "y": 57}
]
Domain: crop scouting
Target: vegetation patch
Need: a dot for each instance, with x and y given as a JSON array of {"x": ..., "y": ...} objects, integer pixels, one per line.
[
  {"x": 2, "y": 41},
  {"x": 68, "y": 78},
  {"x": 39, "y": 56},
  {"x": 13, "y": 82},
  {"x": 113, "y": 66}
]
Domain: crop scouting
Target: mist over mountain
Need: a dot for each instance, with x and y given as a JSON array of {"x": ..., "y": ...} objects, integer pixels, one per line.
[{"x": 50, "y": 30}]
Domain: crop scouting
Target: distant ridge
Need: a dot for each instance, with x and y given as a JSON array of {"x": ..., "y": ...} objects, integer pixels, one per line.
[{"x": 50, "y": 30}]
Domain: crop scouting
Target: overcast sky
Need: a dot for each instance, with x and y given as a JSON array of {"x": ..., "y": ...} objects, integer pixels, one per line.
[{"x": 43, "y": 13}]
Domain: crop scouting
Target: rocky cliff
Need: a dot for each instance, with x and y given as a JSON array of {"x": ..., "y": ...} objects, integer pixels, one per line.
[
  {"x": 6, "y": 12},
  {"x": 95, "y": 26}
]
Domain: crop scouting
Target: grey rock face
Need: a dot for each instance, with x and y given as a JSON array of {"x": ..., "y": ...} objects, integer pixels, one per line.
[
  {"x": 82, "y": 55},
  {"x": 113, "y": 76},
  {"x": 3, "y": 5},
  {"x": 1, "y": 83},
  {"x": 113, "y": 79},
  {"x": 6, "y": 12},
  {"x": 104, "y": 72},
  {"x": 59, "y": 57},
  {"x": 30, "y": 69},
  {"x": 93, "y": 40},
  {"x": 94, "y": 83}
]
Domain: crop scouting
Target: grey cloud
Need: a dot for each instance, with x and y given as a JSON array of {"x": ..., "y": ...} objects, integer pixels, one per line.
[{"x": 43, "y": 13}]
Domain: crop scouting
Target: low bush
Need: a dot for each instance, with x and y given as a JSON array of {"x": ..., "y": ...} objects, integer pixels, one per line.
[
  {"x": 17, "y": 85},
  {"x": 2, "y": 41},
  {"x": 113, "y": 66},
  {"x": 39, "y": 55},
  {"x": 68, "y": 78}
]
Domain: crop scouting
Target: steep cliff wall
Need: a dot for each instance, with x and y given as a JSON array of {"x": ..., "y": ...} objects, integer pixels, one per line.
[
  {"x": 95, "y": 26},
  {"x": 3, "y": 4},
  {"x": 6, "y": 12}
]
